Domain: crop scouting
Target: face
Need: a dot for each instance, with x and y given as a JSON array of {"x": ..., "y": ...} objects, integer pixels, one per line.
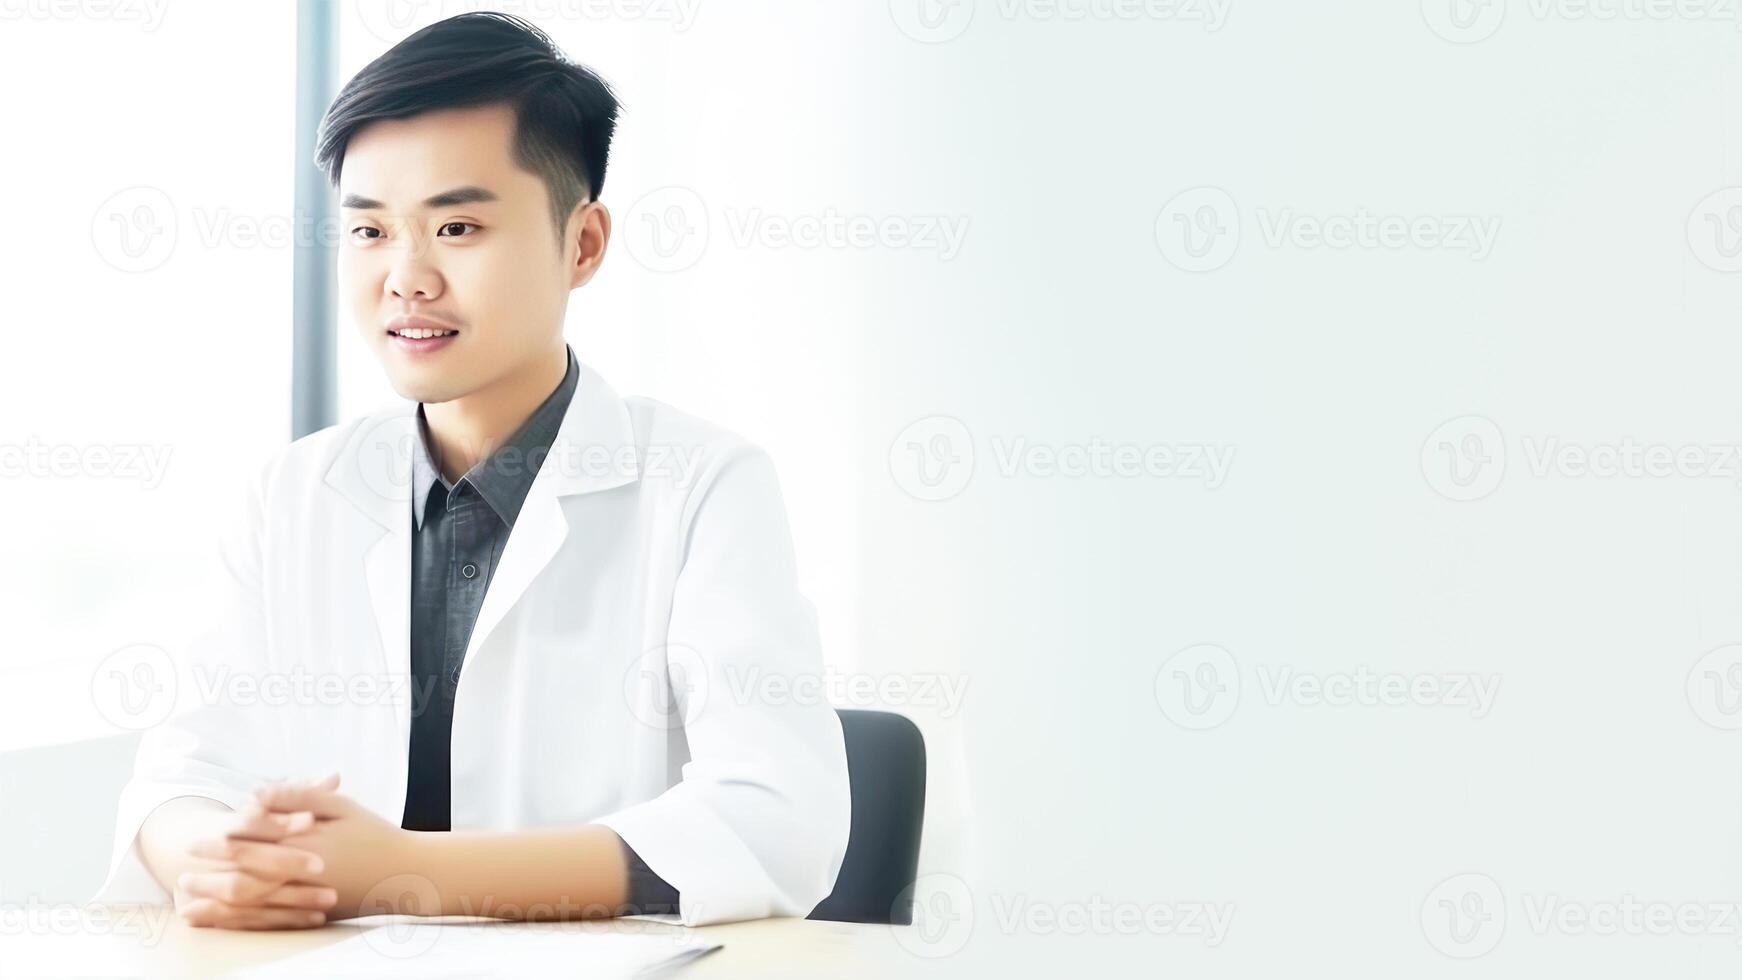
[{"x": 441, "y": 225}]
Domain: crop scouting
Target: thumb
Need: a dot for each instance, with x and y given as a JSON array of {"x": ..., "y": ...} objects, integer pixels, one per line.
[{"x": 320, "y": 800}]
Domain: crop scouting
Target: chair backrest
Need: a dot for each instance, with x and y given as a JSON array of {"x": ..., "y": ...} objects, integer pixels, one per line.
[{"x": 886, "y": 765}]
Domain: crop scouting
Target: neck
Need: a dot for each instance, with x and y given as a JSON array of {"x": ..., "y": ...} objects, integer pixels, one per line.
[{"x": 469, "y": 428}]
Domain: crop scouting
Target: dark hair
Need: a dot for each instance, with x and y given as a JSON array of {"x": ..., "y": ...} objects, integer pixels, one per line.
[{"x": 564, "y": 113}]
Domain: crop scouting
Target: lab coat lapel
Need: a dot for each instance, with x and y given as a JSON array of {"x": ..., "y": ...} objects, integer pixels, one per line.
[
  {"x": 374, "y": 473},
  {"x": 594, "y": 450},
  {"x": 538, "y": 533},
  {"x": 588, "y": 454}
]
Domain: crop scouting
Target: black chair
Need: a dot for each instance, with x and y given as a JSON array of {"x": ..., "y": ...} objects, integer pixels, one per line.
[{"x": 886, "y": 766}]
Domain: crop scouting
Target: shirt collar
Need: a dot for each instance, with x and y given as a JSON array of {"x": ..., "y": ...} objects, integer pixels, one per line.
[{"x": 504, "y": 477}]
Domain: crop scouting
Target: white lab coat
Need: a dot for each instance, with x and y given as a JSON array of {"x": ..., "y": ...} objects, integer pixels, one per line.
[{"x": 628, "y": 667}]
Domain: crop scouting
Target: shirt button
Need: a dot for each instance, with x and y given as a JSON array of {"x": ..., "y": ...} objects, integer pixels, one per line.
[{"x": 469, "y": 571}]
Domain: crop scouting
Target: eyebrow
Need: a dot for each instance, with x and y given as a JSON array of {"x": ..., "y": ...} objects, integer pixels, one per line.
[{"x": 470, "y": 194}]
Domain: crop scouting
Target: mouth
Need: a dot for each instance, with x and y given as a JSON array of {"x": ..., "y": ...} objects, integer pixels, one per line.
[
  {"x": 420, "y": 340},
  {"x": 421, "y": 333}
]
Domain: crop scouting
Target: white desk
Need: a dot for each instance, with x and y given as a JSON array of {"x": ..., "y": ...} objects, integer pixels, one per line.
[{"x": 134, "y": 940}]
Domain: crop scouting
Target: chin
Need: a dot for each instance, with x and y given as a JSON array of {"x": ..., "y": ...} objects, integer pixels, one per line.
[{"x": 427, "y": 390}]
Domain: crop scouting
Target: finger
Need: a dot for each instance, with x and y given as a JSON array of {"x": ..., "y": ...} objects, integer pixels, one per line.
[
  {"x": 256, "y": 823},
  {"x": 278, "y": 862},
  {"x": 207, "y": 913},
  {"x": 329, "y": 783},
  {"x": 297, "y": 896},
  {"x": 228, "y": 887},
  {"x": 320, "y": 802},
  {"x": 239, "y": 891}
]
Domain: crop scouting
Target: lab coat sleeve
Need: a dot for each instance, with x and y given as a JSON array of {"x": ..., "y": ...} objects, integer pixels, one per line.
[
  {"x": 206, "y": 748},
  {"x": 758, "y": 824}
]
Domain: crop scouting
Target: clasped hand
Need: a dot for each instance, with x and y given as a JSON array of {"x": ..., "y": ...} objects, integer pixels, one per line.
[{"x": 298, "y": 855}]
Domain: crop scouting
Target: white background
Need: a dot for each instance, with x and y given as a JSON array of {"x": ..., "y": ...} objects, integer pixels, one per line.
[{"x": 1588, "y": 139}]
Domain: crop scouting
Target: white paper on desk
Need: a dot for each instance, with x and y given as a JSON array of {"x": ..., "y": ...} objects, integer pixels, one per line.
[{"x": 408, "y": 947}]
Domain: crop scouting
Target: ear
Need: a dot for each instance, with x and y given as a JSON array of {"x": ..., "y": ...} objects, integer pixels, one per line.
[{"x": 590, "y": 231}]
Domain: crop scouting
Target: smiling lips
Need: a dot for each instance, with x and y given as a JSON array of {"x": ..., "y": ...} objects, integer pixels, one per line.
[
  {"x": 419, "y": 335},
  {"x": 418, "y": 328}
]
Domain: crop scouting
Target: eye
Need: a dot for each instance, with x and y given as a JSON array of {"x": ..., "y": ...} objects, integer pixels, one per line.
[
  {"x": 456, "y": 224},
  {"x": 362, "y": 228}
]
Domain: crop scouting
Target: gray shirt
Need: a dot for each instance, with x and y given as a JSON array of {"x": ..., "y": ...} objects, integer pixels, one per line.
[{"x": 460, "y": 529}]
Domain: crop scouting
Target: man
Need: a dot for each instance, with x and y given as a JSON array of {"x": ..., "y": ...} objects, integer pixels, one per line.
[{"x": 516, "y": 613}]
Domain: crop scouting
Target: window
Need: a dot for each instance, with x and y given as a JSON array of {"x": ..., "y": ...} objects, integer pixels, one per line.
[{"x": 145, "y": 367}]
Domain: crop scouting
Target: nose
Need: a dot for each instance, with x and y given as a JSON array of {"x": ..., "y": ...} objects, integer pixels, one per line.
[{"x": 413, "y": 276}]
